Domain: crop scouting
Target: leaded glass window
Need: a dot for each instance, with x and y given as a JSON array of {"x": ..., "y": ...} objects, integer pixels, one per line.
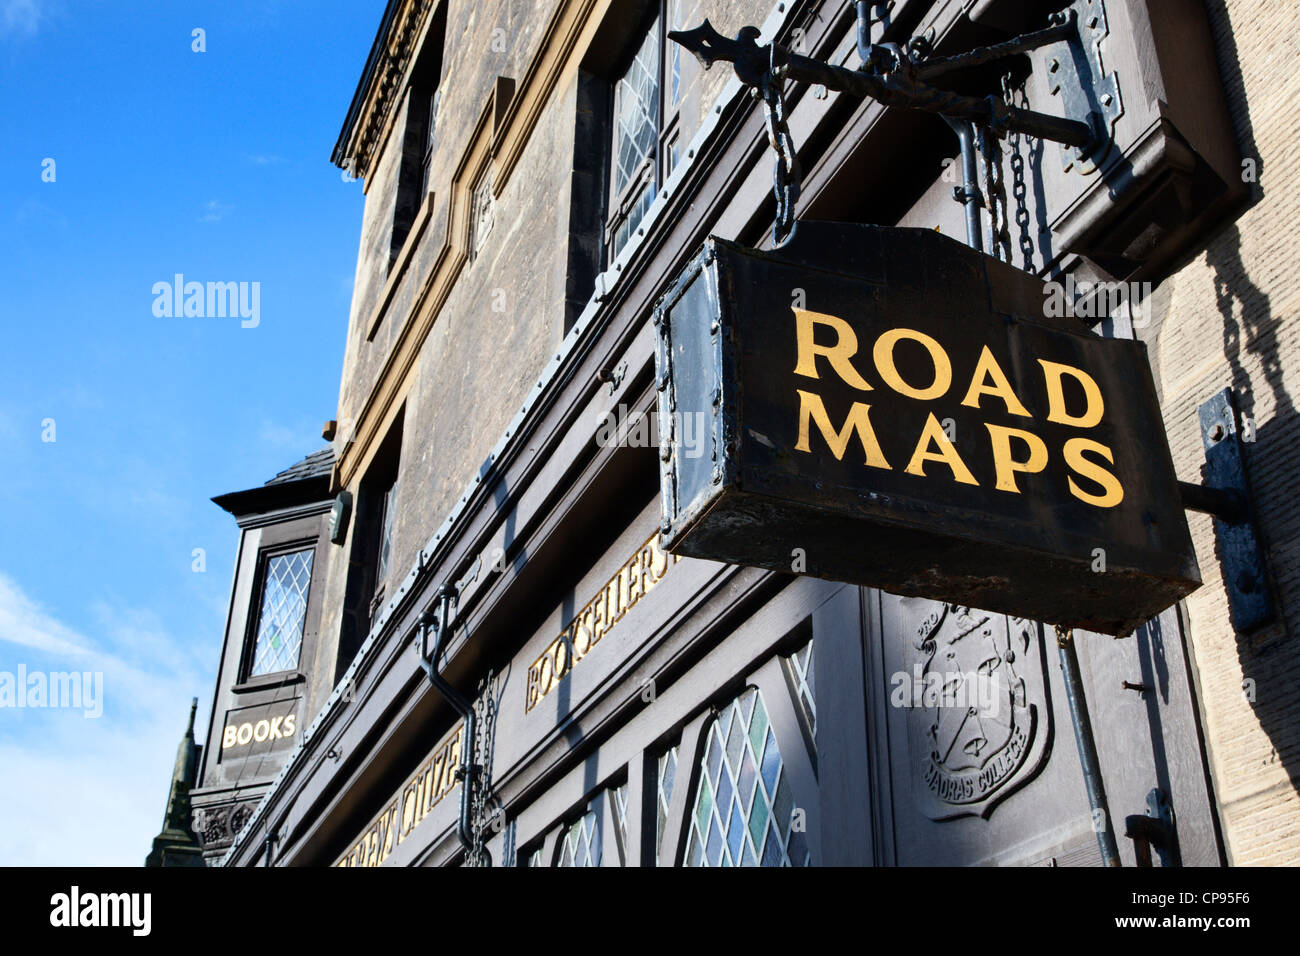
[
  {"x": 744, "y": 812},
  {"x": 664, "y": 792},
  {"x": 643, "y": 148},
  {"x": 284, "y": 611},
  {"x": 620, "y": 811},
  {"x": 386, "y": 532},
  {"x": 426, "y": 164},
  {"x": 636, "y": 111},
  {"x": 801, "y": 673},
  {"x": 582, "y": 841},
  {"x": 676, "y": 21}
]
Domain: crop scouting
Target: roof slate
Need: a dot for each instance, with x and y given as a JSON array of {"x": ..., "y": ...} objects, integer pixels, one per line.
[{"x": 314, "y": 465}]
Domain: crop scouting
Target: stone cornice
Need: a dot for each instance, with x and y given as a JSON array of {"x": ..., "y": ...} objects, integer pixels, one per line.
[{"x": 377, "y": 97}]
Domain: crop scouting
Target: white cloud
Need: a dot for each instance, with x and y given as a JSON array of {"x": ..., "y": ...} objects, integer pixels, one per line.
[
  {"x": 78, "y": 791},
  {"x": 286, "y": 437},
  {"x": 24, "y": 622},
  {"x": 214, "y": 211},
  {"x": 22, "y": 17}
]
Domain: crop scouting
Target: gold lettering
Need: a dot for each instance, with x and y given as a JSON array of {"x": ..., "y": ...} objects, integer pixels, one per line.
[
  {"x": 812, "y": 411},
  {"x": 1094, "y": 406},
  {"x": 532, "y": 691},
  {"x": 561, "y": 650},
  {"x": 883, "y": 355},
  {"x": 659, "y": 567},
  {"x": 839, "y": 354},
  {"x": 985, "y": 369},
  {"x": 634, "y": 575},
  {"x": 1113, "y": 490},
  {"x": 1005, "y": 465},
  {"x": 408, "y": 810},
  {"x": 581, "y": 639},
  {"x": 934, "y": 435},
  {"x": 629, "y": 584}
]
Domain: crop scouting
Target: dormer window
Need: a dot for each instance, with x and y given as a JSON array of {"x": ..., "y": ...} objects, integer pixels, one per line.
[{"x": 286, "y": 581}]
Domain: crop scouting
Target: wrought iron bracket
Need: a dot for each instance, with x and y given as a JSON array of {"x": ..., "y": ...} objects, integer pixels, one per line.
[
  {"x": 1226, "y": 496},
  {"x": 902, "y": 75},
  {"x": 1076, "y": 74}
]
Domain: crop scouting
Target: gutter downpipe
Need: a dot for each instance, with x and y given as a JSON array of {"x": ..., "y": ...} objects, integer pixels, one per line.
[
  {"x": 467, "y": 771},
  {"x": 1087, "y": 747},
  {"x": 968, "y": 193}
]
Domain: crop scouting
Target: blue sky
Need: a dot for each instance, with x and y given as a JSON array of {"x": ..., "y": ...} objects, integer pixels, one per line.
[{"x": 210, "y": 164}]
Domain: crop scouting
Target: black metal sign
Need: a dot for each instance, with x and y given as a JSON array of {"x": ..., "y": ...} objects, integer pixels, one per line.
[{"x": 887, "y": 407}]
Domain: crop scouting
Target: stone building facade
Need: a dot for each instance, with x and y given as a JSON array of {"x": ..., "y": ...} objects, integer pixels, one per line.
[{"x": 536, "y": 176}]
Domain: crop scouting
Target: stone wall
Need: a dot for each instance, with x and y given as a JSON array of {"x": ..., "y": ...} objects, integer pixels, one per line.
[{"x": 1232, "y": 321}]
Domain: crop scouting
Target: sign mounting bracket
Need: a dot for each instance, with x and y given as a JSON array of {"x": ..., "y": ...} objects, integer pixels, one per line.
[
  {"x": 904, "y": 75},
  {"x": 1226, "y": 496}
]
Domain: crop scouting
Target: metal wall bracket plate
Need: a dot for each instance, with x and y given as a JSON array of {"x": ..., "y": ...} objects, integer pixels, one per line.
[
  {"x": 1157, "y": 830},
  {"x": 1076, "y": 74},
  {"x": 1245, "y": 574}
]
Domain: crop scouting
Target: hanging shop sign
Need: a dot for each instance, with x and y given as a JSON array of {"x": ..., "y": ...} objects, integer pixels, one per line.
[{"x": 890, "y": 408}]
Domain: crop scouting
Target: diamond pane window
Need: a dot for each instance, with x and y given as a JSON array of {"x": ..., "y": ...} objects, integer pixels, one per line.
[
  {"x": 636, "y": 104},
  {"x": 582, "y": 842},
  {"x": 678, "y": 22},
  {"x": 620, "y": 807},
  {"x": 743, "y": 807},
  {"x": 801, "y": 672},
  {"x": 667, "y": 771},
  {"x": 386, "y": 533},
  {"x": 284, "y": 610}
]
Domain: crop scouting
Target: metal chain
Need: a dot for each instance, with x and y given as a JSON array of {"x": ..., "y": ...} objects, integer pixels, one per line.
[
  {"x": 480, "y": 805},
  {"x": 995, "y": 194},
  {"x": 786, "y": 172},
  {"x": 1018, "y": 188}
]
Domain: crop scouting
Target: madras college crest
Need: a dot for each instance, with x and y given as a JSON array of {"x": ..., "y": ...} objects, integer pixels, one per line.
[{"x": 978, "y": 716}]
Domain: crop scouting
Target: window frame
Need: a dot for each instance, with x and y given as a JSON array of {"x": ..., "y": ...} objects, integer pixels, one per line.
[
  {"x": 655, "y": 168},
  {"x": 257, "y": 602}
]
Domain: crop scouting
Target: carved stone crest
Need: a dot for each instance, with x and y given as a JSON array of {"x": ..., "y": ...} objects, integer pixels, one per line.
[{"x": 978, "y": 716}]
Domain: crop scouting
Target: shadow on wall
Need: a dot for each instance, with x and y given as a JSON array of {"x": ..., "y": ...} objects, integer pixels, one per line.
[{"x": 1270, "y": 659}]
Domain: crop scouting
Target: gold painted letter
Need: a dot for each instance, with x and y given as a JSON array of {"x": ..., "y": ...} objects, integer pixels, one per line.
[
  {"x": 985, "y": 369},
  {"x": 1005, "y": 466},
  {"x": 883, "y": 355},
  {"x": 839, "y": 354},
  {"x": 811, "y": 410},
  {"x": 1114, "y": 491},
  {"x": 934, "y": 435},
  {"x": 1052, "y": 372}
]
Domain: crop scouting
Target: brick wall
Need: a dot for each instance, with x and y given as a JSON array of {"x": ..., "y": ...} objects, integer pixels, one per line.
[{"x": 1232, "y": 321}]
